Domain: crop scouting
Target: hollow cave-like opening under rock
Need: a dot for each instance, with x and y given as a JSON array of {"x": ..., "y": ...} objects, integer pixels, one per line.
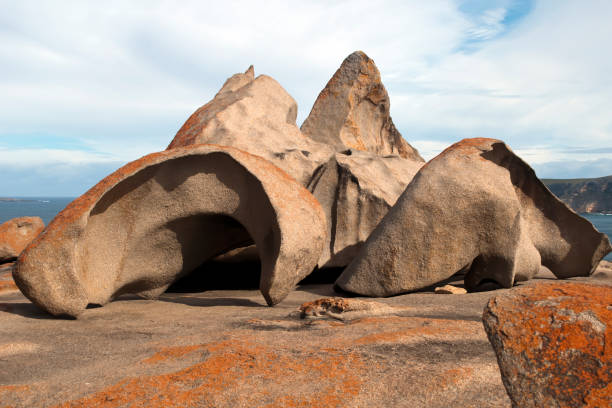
[
  {"x": 224, "y": 274},
  {"x": 217, "y": 274},
  {"x": 236, "y": 267},
  {"x": 234, "y": 263}
]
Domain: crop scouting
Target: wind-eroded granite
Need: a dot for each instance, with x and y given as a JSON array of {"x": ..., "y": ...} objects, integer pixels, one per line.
[
  {"x": 356, "y": 189},
  {"x": 479, "y": 208},
  {"x": 553, "y": 343},
  {"x": 352, "y": 112},
  {"x": 160, "y": 217},
  {"x": 258, "y": 116}
]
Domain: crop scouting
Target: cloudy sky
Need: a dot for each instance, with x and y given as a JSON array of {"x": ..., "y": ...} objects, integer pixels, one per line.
[{"x": 87, "y": 86}]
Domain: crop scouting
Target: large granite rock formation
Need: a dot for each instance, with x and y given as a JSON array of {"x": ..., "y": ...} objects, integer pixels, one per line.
[
  {"x": 258, "y": 116},
  {"x": 584, "y": 195},
  {"x": 16, "y": 234},
  {"x": 553, "y": 344},
  {"x": 477, "y": 208},
  {"x": 162, "y": 216},
  {"x": 352, "y": 111},
  {"x": 356, "y": 190},
  {"x": 373, "y": 165}
]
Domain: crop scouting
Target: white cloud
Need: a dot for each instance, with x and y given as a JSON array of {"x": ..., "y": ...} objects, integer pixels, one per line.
[
  {"x": 428, "y": 149},
  {"x": 488, "y": 24},
  {"x": 547, "y": 82},
  {"x": 122, "y": 77},
  {"x": 40, "y": 157}
]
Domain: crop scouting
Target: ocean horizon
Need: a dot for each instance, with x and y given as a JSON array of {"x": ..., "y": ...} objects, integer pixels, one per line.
[{"x": 48, "y": 207}]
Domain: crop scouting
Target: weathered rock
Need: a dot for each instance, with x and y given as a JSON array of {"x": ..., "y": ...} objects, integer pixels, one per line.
[
  {"x": 162, "y": 216},
  {"x": 6, "y": 278},
  {"x": 258, "y": 116},
  {"x": 352, "y": 111},
  {"x": 356, "y": 190},
  {"x": 16, "y": 234},
  {"x": 553, "y": 342},
  {"x": 449, "y": 290},
  {"x": 604, "y": 270},
  {"x": 479, "y": 208},
  {"x": 346, "y": 309}
]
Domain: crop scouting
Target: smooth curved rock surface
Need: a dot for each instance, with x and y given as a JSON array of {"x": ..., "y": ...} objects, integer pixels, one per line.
[
  {"x": 16, "y": 234},
  {"x": 553, "y": 342},
  {"x": 356, "y": 190},
  {"x": 163, "y": 215},
  {"x": 258, "y": 116},
  {"x": 352, "y": 112},
  {"x": 479, "y": 208}
]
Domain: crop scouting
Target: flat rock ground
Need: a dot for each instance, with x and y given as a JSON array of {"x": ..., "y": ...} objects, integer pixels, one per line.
[{"x": 226, "y": 348}]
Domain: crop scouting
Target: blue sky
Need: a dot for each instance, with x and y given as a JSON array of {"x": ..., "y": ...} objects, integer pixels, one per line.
[{"x": 87, "y": 86}]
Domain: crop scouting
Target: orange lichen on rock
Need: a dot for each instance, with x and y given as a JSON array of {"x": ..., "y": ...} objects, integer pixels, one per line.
[
  {"x": 16, "y": 234},
  {"x": 7, "y": 390},
  {"x": 452, "y": 377},
  {"x": 172, "y": 353},
  {"x": 553, "y": 344},
  {"x": 264, "y": 371},
  {"x": 422, "y": 328},
  {"x": 334, "y": 304}
]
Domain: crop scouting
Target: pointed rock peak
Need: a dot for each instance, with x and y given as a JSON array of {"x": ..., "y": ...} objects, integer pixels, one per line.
[
  {"x": 237, "y": 81},
  {"x": 358, "y": 63},
  {"x": 352, "y": 111}
]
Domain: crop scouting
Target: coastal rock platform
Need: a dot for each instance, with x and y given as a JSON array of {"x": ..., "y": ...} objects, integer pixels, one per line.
[{"x": 226, "y": 348}]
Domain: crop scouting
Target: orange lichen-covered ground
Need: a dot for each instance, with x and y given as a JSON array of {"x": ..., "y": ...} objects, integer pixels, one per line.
[
  {"x": 275, "y": 378},
  {"x": 291, "y": 364},
  {"x": 554, "y": 344},
  {"x": 224, "y": 348}
]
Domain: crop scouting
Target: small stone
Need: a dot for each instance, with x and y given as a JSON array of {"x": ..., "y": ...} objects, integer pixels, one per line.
[{"x": 449, "y": 290}]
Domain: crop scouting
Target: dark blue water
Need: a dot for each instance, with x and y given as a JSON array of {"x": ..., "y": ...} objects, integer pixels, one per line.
[
  {"x": 43, "y": 207},
  {"x": 47, "y": 207},
  {"x": 604, "y": 224}
]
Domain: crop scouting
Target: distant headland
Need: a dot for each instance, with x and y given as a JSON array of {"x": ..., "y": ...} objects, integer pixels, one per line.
[
  {"x": 13, "y": 199},
  {"x": 584, "y": 195}
]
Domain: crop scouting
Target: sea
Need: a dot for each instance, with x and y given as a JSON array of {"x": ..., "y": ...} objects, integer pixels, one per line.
[{"x": 48, "y": 207}]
